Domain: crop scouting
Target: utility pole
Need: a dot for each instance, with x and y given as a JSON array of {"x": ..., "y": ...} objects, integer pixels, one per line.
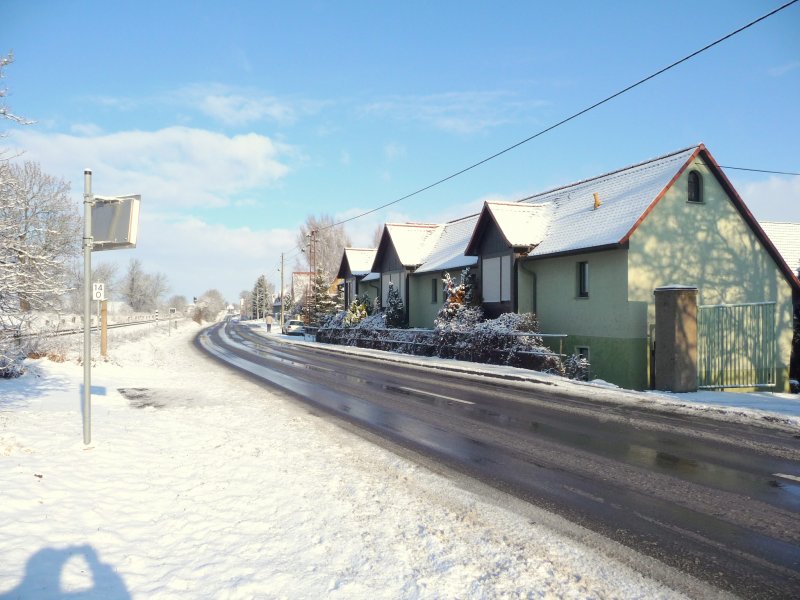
[{"x": 281, "y": 323}]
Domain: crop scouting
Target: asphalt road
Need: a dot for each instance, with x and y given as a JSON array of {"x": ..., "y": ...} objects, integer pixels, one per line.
[{"x": 706, "y": 497}]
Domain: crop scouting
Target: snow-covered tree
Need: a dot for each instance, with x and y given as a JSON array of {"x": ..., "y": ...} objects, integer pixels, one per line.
[
  {"x": 261, "y": 297},
  {"x": 322, "y": 304},
  {"x": 395, "y": 309},
  {"x": 209, "y": 306},
  {"x": 178, "y": 302},
  {"x": 140, "y": 290},
  {"x": 5, "y": 112},
  {"x": 39, "y": 236},
  {"x": 105, "y": 273}
]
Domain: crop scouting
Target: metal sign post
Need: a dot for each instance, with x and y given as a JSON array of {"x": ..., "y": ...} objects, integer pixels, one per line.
[
  {"x": 88, "y": 201},
  {"x": 116, "y": 226}
]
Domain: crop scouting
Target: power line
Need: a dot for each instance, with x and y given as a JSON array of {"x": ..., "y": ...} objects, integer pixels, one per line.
[
  {"x": 566, "y": 120},
  {"x": 761, "y": 171}
]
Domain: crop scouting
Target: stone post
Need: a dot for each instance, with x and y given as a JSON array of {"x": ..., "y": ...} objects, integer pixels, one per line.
[{"x": 676, "y": 338}]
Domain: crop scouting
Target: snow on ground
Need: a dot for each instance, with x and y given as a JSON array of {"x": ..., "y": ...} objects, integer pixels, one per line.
[{"x": 208, "y": 485}]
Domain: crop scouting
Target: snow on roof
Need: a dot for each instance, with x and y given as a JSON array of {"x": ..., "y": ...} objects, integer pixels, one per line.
[
  {"x": 371, "y": 277},
  {"x": 786, "y": 238},
  {"x": 413, "y": 241},
  {"x": 521, "y": 224},
  {"x": 448, "y": 251},
  {"x": 360, "y": 259},
  {"x": 625, "y": 196}
]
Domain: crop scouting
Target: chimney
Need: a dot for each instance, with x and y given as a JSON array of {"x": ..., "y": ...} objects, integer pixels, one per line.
[{"x": 597, "y": 202}]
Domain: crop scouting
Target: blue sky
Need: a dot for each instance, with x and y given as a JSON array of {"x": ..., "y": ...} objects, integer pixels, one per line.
[{"x": 236, "y": 120}]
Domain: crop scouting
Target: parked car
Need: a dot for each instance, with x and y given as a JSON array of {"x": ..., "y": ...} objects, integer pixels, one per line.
[{"x": 294, "y": 327}]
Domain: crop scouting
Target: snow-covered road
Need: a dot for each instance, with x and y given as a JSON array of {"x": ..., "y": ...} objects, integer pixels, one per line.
[{"x": 217, "y": 487}]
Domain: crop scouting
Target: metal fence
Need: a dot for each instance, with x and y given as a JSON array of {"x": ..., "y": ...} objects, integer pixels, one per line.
[{"x": 736, "y": 346}]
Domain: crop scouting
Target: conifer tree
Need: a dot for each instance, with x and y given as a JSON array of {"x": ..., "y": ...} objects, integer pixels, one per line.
[{"x": 395, "y": 309}]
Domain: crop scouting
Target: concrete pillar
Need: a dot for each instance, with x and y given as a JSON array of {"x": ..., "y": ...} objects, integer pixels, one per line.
[{"x": 676, "y": 338}]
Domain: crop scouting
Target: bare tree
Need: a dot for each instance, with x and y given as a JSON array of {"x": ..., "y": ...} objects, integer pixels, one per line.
[
  {"x": 5, "y": 113},
  {"x": 39, "y": 236},
  {"x": 376, "y": 235},
  {"x": 105, "y": 273},
  {"x": 178, "y": 302},
  {"x": 324, "y": 246},
  {"x": 140, "y": 290},
  {"x": 246, "y": 298},
  {"x": 209, "y": 306}
]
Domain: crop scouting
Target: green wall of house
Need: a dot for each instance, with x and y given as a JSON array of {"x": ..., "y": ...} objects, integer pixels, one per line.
[
  {"x": 611, "y": 327},
  {"x": 423, "y": 309},
  {"x": 710, "y": 246},
  {"x": 370, "y": 287}
]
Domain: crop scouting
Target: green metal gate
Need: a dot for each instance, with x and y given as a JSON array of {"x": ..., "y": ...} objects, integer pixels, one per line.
[{"x": 736, "y": 345}]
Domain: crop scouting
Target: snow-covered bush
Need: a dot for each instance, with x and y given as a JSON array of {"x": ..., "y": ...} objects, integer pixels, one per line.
[
  {"x": 10, "y": 362},
  {"x": 457, "y": 297},
  {"x": 576, "y": 367},
  {"x": 359, "y": 309}
]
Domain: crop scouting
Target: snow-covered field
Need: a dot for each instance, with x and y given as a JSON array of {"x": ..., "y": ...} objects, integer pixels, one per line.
[{"x": 208, "y": 485}]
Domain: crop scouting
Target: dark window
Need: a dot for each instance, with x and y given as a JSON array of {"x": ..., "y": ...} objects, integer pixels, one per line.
[
  {"x": 582, "y": 351},
  {"x": 583, "y": 280},
  {"x": 434, "y": 290},
  {"x": 695, "y": 187}
]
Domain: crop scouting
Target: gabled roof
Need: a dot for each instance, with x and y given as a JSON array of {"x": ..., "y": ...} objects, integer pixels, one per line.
[
  {"x": 786, "y": 237},
  {"x": 521, "y": 225},
  {"x": 448, "y": 251},
  {"x": 412, "y": 242},
  {"x": 357, "y": 261},
  {"x": 626, "y": 196},
  {"x": 572, "y": 224}
]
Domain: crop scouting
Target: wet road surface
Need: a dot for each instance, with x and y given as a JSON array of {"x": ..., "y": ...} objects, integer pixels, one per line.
[{"x": 707, "y": 497}]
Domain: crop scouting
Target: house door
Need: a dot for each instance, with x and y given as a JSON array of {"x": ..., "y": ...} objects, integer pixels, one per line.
[{"x": 736, "y": 345}]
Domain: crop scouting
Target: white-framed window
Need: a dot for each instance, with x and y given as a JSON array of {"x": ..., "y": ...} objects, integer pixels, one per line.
[{"x": 496, "y": 280}]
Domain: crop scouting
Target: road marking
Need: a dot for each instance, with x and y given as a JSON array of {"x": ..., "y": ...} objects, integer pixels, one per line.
[
  {"x": 432, "y": 395},
  {"x": 794, "y": 478}
]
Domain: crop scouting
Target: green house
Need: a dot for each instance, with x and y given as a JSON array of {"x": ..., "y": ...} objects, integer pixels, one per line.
[{"x": 587, "y": 257}]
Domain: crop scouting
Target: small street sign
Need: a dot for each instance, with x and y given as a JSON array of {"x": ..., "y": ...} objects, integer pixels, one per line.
[{"x": 98, "y": 291}]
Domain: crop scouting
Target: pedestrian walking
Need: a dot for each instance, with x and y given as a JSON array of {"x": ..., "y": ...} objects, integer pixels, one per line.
[{"x": 270, "y": 321}]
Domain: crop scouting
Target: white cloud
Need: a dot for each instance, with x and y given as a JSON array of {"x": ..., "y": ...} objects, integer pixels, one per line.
[
  {"x": 86, "y": 129},
  {"x": 196, "y": 255},
  {"x": 773, "y": 199},
  {"x": 239, "y": 110},
  {"x": 172, "y": 167},
  {"x": 394, "y": 151},
  {"x": 457, "y": 112},
  {"x": 782, "y": 70}
]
